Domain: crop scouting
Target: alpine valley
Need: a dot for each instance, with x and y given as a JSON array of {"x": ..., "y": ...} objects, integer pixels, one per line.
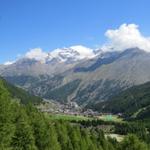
[
  {"x": 74, "y": 75},
  {"x": 79, "y": 74}
]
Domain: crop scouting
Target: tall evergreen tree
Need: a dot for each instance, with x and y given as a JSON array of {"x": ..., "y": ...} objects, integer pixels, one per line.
[
  {"x": 7, "y": 127},
  {"x": 131, "y": 142},
  {"x": 23, "y": 138},
  {"x": 40, "y": 128}
]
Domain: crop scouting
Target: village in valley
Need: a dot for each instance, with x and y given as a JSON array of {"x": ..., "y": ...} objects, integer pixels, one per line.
[{"x": 73, "y": 109}]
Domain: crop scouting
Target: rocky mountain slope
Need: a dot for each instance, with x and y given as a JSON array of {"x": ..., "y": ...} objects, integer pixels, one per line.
[
  {"x": 86, "y": 80},
  {"x": 36, "y": 63}
]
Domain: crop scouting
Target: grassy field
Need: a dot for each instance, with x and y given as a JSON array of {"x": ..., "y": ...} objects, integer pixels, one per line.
[
  {"x": 66, "y": 117},
  {"x": 113, "y": 118},
  {"x": 118, "y": 137}
]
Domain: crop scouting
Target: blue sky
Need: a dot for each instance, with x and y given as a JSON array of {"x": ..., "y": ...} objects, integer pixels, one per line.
[{"x": 48, "y": 24}]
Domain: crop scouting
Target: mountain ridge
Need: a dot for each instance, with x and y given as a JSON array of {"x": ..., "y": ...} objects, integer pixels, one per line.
[{"x": 113, "y": 72}]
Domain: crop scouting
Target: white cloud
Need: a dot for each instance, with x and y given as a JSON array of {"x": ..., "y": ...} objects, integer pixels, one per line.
[
  {"x": 9, "y": 63},
  {"x": 85, "y": 52},
  {"x": 37, "y": 54},
  {"x": 126, "y": 36}
]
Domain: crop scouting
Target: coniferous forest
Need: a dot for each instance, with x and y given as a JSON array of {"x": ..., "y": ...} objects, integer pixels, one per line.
[{"x": 23, "y": 127}]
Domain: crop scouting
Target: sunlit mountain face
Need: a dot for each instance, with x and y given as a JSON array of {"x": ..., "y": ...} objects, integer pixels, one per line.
[{"x": 95, "y": 76}]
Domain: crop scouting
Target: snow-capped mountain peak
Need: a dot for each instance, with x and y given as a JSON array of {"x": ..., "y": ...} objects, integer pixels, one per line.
[
  {"x": 83, "y": 51},
  {"x": 71, "y": 54},
  {"x": 67, "y": 55}
]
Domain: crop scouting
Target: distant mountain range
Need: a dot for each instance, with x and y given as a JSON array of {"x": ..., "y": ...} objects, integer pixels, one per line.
[
  {"x": 80, "y": 74},
  {"x": 57, "y": 61}
]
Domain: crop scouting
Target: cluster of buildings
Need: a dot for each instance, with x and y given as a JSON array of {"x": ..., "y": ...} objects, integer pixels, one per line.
[{"x": 70, "y": 108}]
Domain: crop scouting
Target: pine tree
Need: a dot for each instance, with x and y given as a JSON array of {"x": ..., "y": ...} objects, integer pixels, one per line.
[
  {"x": 63, "y": 137},
  {"x": 75, "y": 137},
  {"x": 131, "y": 142},
  {"x": 23, "y": 138},
  {"x": 6, "y": 118},
  {"x": 40, "y": 129},
  {"x": 54, "y": 144}
]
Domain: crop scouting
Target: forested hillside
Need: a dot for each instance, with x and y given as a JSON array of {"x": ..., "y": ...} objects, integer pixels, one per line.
[
  {"x": 134, "y": 102},
  {"x": 20, "y": 94}
]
